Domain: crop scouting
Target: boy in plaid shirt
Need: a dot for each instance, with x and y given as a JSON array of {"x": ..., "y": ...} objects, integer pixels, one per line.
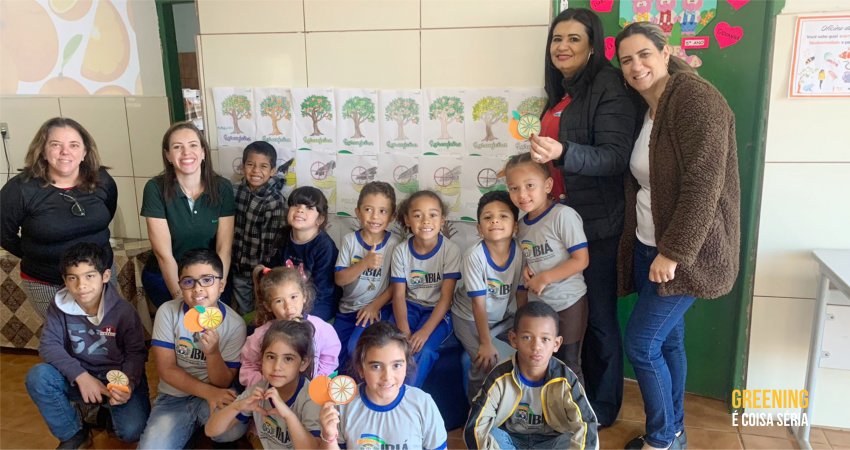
[{"x": 260, "y": 218}]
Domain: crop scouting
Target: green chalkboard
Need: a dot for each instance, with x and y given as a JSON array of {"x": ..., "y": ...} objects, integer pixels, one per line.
[{"x": 717, "y": 331}]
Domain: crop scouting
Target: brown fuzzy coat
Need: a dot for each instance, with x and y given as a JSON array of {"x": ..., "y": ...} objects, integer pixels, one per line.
[{"x": 695, "y": 192}]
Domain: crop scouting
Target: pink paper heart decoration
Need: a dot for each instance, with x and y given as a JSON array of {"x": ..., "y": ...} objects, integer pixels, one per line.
[
  {"x": 737, "y": 4},
  {"x": 603, "y": 6},
  {"x": 727, "y": 35},
  {"x": 609, "y": 47}
]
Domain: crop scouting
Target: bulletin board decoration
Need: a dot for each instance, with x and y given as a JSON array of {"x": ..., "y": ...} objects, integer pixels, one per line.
[{"x": 820, "y": 62}]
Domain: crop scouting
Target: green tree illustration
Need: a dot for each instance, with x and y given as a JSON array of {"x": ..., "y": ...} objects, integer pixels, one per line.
[
  {"x": 275, "y": 107},
  {"x": 359, "y": 110},
  {"x": 402, "y": 111},
  {"x": 447, "y": 110},
  {"x": 490, "y": 110},
  {"x": 238, "y": 106},
  {"x": 317, "y": 108},
  {"x": 531, "y": 105}
]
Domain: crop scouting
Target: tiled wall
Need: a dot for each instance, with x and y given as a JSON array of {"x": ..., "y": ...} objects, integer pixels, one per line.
[
  {"x": 371, "y": 44},
  {"x": 805, "y": 206},
  {"x": 127, "y": 130}
]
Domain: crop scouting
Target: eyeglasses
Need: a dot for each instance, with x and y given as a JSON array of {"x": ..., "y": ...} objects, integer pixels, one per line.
[
  {"x": 76, "y": 209},
  {"x": 187, "y": 283}
]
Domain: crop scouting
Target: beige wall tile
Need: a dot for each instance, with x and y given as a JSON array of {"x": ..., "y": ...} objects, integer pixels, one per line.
[
  {"x": 106, "y": 120},
  {"x": 484, "y": 13},
  {"x": 339, "y": 15},
  {"x": 364, "y": 59},
  {"x": 24, "y": 115},
  {"x": 125, "y": 224},
  {"x": 248, "y": 61},
  {"x": 147, "y": 119},
  {"x": 250, "y": 16},
  {"x": 803, "y": 207},
  {"x": 139, "y": 189},
  {"x": 483, "y": 57}
]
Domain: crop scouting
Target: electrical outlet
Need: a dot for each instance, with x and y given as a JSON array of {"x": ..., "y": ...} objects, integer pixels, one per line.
[{"x": 4, "y": 130}]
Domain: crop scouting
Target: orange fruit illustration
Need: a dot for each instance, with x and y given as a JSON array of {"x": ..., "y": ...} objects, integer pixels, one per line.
[
  {"x": 108, "y": 51},
  {"x": 211, "y": 318},
  {"x": 512, "y": 127},
  {"x": 528, "y": 125},
  {"x": 118, "y": 387},
  {"x": 190, "y": 321},
  {"x": 117, "y": 377},
  {"x": 112, "y": 90},
  {"x": 319, "y": 391},
  {"x": 28, "y": 35},
  {"x": 63, "y": 86},
  {"x": 70, "y": 9},
  {"x": 8, "y": 72},
  {"x": 342, "y": 389}
]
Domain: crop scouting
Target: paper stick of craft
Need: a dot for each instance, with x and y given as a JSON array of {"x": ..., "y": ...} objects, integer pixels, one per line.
[
  {"x": 190, "y": 321},
  {"x": 528, "y": 125},
  {"x": 342, "y": 389},
  {"x": 211, "y": 318},
  {"x": 118, "y": 380}
]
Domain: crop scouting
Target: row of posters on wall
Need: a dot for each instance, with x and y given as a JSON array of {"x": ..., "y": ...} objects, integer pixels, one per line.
[{"x": 452, "y": 141}]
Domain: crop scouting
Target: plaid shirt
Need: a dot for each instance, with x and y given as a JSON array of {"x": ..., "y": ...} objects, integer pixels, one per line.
[{"x": 260, "y": 218}]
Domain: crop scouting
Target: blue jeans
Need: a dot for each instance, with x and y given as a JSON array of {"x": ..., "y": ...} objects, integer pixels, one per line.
[
  {"x": 509, "y": 441},
  {"x": 655, "y": 345},
  {"x": 173, "y": 420},
  {"x": 54, "y": 396},
  {"x": 417, "y": 315},
  {"x": 349, "y": 334}
]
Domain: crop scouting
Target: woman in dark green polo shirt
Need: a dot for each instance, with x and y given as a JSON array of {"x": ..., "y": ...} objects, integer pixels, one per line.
[{"x": 187, "y": 206}]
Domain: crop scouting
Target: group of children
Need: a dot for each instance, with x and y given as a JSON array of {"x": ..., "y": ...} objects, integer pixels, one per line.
[{"x": 393, "y": 302}]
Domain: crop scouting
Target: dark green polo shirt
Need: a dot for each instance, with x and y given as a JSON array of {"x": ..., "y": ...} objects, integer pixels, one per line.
[{"x": 189, "y": 228}]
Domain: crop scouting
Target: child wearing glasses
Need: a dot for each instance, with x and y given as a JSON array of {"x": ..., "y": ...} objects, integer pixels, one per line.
[{"x": 196, "y": 368}]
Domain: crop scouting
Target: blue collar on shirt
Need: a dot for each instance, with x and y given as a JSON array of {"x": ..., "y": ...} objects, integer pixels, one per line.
[
  {"x": 528, "y": 382},
  {"x": 379, "y": 408},
  {"x": 493, "y": 264},
  {"x": 429, "y": 254},
  {"x": 533, "y": 221},
  {"x": 387, "y": 234}
]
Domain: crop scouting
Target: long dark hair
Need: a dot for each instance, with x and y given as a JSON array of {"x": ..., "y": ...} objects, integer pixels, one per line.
[
  {"x": 555, "y": 83},
  {"x": 208, "y": 175},
  {"x": 35, "y": 166},
  {"x": 296, "y": 334}
]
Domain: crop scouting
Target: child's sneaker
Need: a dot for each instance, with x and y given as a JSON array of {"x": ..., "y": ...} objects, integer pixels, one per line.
[{"x": 80, "y": 440}]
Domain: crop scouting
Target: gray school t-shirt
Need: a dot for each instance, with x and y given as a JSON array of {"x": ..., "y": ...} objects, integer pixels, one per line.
[
  {"x": 272, "y": 429},
  {"x": 169, "y": 332},
  {"x": 412, "y": 421},
  {"x": 371, "y": 282},
  {"x": 548, "y": 241},
  {"x": 424, "y": 274},
  {"x": 528, "y": 415},
  {"x": 481, "y": 276}
]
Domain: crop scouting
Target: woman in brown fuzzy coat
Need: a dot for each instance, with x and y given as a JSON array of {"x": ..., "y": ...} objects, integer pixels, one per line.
[{"x": 682, "y": 230}]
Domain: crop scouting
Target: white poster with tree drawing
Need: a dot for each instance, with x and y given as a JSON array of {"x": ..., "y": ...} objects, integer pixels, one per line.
[
  {"x": 486, "y": 122},
  {"x": 401, "y": 117},
  {"x": 353, "y": 172},
  {"x": 357, "y": 125},
  {"x": 317, "y": 169},
  {"x": 314, "y": 117},
  {"x": 444, "y": 112},
  {"x": 273, "y": 115},
  {"x": 401, "y": 171},
  {"x": 521, "y": 103},
  {"x": 442, "y": 175},
  {"x": 234, "y": 116}
]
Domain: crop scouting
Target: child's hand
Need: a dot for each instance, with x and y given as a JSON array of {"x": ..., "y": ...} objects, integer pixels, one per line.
[
  {"x": 279, "y": 406},
  {"x": 251, "y": 403},
  {"x": 368, "y": 315},
  {"x": 91, "y": 388},
  {"x": 487, "y": 357},
  {"x": 417, "y": 341},
  {"x": 537, "y": 283},
  {"x": 527, "y": 274},
  {"x": 329, "y": 419},
  {"x": 219, "y": 398},
  {"x": 209, "y": 342},
  {"x": 373, "y": 259},
  {"x": 118, "y": 396}
]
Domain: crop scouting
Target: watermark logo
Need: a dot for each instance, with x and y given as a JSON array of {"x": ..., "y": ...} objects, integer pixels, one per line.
[{"x": 755, "y": 402}]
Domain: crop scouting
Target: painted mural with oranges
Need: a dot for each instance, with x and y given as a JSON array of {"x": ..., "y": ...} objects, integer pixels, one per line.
[{"x": 68, "y": 47}]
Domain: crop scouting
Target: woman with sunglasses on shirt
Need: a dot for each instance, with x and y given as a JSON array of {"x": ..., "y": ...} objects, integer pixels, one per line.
[{"x": 62, "y": 196}]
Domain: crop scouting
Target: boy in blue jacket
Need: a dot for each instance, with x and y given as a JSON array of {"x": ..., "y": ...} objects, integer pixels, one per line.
[{"x": 88, "y": 331}]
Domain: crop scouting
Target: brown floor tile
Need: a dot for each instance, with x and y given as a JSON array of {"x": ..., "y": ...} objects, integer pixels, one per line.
[
  {"x": 102, "y": 439},
  {"x": 837, "y": 438},
  {"x": 815, "y": 436},
  {"x": 701, "y": 438},
  {"x": 707, "y": 413},
  {"x": 17, "y": 439},
  {"x": 752, "y": 441},
  {"x": 616, "y": 436}
]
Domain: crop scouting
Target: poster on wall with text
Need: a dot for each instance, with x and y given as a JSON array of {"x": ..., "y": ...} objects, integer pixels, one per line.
[
  {"x": 443, "y": 132},
  {"x": 486, "y": 122},
  {"x": 401, "y": 171},
  {"x": 273, "y": 115},
  {"x": 353, "y": 172},
  {"x": 442, "y": 174},
  {"x": 820, "y": 65},
  {"x": 357, "y": 127},
  {"x": 314, "y": 117},
  {"x": 234, "y": 117},
  {"x": 401, "y": 117},
  {"x": 317, "y": 169}
]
